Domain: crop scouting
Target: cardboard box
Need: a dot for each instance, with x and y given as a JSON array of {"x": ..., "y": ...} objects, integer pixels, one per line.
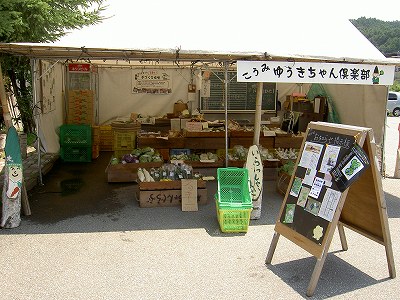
[
  {"x": 176, "y": 124},
  {"x": 195, "y": 126}
]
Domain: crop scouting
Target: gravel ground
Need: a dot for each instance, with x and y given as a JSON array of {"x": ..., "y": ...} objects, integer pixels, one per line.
[{"x": 127, "y": 252}]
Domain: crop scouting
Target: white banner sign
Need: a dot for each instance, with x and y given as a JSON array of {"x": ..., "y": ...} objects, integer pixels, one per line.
[
  {"x": 309, "y": 72},
  {"x": 151, "y": 81}
]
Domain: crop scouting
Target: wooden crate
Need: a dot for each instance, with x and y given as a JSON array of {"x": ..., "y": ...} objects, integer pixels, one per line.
[
  {"x": 95, "y": 135},
  {"x": 241, "y": 133},
  {"x": 95, "y": 151},
  {"x": 128, "y": 172},
  {"x": 167, "y": 193},
  {"x": 160, "y": 143},
  {"x": 204, "y": 143},
  {"x": 200, "y": 164},
  {"x": 242, "y": 163},
  {"x": 106, "y": 138},
  {"x": 266, "y": 142},
  {"x": 204, "y": 134}
]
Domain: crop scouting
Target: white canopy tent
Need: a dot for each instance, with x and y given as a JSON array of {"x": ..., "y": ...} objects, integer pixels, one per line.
[{"x": 212, "y": 33}]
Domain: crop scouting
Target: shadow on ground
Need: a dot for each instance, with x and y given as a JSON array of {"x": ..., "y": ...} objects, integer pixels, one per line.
[
  {"x": 392, "y": 204},
  {"x": 76, "y": 197},
  {"x": 338, "y": 277}
]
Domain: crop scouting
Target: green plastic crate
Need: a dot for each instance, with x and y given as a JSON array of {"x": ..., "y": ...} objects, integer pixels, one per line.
[
  {"x": 76, "y": 135},
  {"x": 233, "y": 188},
  {"x": 76, "y": 154},
  {"x": 233, "y": 219}
]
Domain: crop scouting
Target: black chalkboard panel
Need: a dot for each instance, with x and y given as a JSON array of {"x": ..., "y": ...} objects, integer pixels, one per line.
[
  {"x": 241, "y": 95},
  {"x": 305, "y": 219}
]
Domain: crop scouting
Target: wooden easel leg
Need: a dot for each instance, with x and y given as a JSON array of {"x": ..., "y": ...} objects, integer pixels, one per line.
[
  {"x": 342, "y": 237},
  {"x": 272, "y": 248},
  {"x": 390, "y": 261},
  {"x": 315, "y": 275}
]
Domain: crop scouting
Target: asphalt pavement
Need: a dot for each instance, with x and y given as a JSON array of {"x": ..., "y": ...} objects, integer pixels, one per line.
[{"x": 89, "y": 239}]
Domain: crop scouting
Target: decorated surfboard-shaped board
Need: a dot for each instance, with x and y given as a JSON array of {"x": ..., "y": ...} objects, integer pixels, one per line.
[
  {"x": 13, "y": 178},
  {"x": 254, "y": 166}
]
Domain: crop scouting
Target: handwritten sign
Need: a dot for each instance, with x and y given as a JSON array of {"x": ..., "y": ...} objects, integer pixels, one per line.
[
  {"x": 157, "y": 198},
  {"x": 327, "y": 138},
  {"x": 255, "y": 167},
  {"x": 189, "y": 195},
  {"x": 151, "y": 81}
]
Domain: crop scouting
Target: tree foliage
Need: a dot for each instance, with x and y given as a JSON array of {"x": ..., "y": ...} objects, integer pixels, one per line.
[
  {"x": 384, "y": 35},
  {"x": 45, "y": 20},
  {"x": 38, "y": 21}
]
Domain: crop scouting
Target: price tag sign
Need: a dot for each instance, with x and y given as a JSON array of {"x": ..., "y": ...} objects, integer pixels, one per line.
[{"x": 189, "y": 195}]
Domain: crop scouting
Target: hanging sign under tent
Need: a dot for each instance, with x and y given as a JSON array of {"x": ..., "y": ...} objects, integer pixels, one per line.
[{"x": 311, "y": 72}]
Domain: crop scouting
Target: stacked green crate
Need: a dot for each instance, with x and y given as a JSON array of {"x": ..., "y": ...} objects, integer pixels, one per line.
[
  {"x": 76, "y": 143},
  {"x": 233, "y": 199}
]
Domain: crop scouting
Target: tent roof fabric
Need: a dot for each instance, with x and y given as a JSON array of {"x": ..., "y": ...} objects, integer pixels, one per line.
[{"x": 211, "y": 31}]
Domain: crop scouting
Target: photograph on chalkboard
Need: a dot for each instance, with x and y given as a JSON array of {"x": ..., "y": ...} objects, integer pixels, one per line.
[
  {"x": 302, "y": 200},
  {"x": 309, "y": 176},
  {"x": 350, "y": 168},
  {"x": 329, "y": 159},
  {"x": 289, "y": 214},
  {"x": 296, "y": 186},
  {"x": 311, "y": 155},
  {"x": 313, "y": 206}
]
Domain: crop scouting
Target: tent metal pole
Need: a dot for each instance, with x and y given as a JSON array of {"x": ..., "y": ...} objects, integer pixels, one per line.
[
  {"x": 36, "y": 114},
  {"x": 383, "y": 156},
  {"x": 226, "y": 79},
  {"x": 257, "y": 117}
]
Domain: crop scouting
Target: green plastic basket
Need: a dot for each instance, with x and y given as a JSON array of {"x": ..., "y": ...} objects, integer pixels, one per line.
[
  {"x": 233, "y": 188},
  {"x": 76, "y": 135},
  {"x": 76, "y": 154},
  {"x": 233, "y": 219}
]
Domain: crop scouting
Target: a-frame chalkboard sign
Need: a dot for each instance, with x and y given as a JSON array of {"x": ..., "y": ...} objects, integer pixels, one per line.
[{"x": 316, "y": 202}]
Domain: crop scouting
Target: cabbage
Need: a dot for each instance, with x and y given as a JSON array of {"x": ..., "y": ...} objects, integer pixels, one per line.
[{"x": 145, "y": 158}]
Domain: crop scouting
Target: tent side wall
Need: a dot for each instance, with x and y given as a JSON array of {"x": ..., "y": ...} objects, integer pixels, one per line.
[
  {"x": 361, "y": 105},
  {"x": 117, "y": 100},
  {"x": 358, "y": 105},
  {"x": 50, "y": 89}
]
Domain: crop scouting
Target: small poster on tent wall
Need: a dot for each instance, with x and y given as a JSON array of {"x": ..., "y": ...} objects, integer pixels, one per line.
[
  {"x": 151, "y": 81},
  {"x": 48, "y": 87}
]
